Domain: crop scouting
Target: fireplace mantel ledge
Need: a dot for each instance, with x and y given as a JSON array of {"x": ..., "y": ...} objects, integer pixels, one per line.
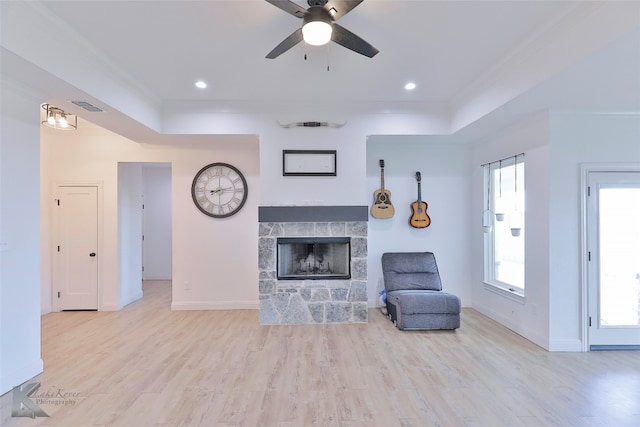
[{"x": 312, "y": 213}]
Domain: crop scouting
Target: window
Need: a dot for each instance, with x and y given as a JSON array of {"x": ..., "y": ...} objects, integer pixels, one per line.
[{"x": 504, "y": 239}]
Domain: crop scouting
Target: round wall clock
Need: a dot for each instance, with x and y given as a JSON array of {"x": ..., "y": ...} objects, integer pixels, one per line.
[{"x": 219, "y": 190}]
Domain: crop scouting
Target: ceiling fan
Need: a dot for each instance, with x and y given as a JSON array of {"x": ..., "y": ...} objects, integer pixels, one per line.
[{"x": 319, "y": 27}]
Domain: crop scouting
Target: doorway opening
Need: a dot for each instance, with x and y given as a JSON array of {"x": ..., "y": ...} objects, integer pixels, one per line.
[
  {"x": 156, "y": 230},
  {"x": 156, "y": 226},
  {"x": 144, "y": 227}
]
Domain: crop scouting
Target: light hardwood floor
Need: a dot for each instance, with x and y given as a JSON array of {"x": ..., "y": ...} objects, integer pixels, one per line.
[{"x": 146, "y": 365}]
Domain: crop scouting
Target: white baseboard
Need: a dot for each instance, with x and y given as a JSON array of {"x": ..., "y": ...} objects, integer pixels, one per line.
[
  {"x": 215, "y": 305},
  {"x": 12, "y": 379},
  {"x": 531, "y": 335}
]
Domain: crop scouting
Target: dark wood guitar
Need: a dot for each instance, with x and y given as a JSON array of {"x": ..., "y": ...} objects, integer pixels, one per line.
[
  {"x": 419, "y": 217},
  {"x": 382, "y": 206}
]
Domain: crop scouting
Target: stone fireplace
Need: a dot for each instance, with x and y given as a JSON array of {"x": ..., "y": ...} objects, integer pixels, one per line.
[{"x": 313, "y": 264}]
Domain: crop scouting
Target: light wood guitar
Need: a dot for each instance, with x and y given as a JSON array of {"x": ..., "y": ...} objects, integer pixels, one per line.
[
  {"x": 419, "y": 217},
  {"x": 382, "y": 207}
]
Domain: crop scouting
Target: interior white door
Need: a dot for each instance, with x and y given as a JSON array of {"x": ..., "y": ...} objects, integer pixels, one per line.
[
  {"x": 613, "y": 238},
  {"x": 77, "y": 248}
]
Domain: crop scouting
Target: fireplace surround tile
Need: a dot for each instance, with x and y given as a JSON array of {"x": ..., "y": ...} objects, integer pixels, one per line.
[{"x": 303, "y": 301}]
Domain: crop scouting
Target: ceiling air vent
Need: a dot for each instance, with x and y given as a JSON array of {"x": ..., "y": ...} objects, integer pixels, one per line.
[{"x": 87, "y": 106}]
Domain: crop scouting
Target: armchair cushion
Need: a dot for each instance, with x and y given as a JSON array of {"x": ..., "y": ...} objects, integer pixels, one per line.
[
  {"x": 418, "y": 302},
  {"x": 410, "y": 271}
]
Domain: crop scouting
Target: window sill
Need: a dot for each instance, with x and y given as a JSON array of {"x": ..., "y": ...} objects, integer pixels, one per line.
[{"x": 510, "y": 293}]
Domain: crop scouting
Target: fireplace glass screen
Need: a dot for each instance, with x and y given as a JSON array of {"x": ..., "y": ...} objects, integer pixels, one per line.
[{"x": 314, "y": 258}]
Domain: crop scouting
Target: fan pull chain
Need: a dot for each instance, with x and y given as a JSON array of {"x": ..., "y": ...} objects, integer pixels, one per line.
[
  {"x": 328, "y": 61},
  {"x": 327, "y": 51}
]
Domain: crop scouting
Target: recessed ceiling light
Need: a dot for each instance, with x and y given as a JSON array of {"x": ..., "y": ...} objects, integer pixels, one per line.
[
  {"x": 410, "y": 86},
  {"x": 201, "y": 85}
]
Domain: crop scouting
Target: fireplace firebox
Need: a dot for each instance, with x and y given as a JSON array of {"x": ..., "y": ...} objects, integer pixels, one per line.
[{"x": 313, "y": 258}]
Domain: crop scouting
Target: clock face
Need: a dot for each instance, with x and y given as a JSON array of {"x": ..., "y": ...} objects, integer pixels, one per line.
[{"x": 219, "y": 190}]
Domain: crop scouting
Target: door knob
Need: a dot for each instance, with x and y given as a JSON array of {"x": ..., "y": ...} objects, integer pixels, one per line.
[{"x": 92, "y": 254}]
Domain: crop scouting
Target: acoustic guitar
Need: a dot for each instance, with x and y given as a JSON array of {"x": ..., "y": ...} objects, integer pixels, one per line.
[
  {"x": 419, "y": 217},
  {"x": 382, "y": 207}
]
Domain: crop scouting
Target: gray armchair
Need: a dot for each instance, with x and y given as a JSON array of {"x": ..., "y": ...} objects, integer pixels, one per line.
[{"x": 415, "y": 299}]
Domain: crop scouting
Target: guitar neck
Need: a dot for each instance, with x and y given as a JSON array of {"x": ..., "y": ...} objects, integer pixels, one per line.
[
  {"x": 382, "y": 179},
  {"x": 419, "y": 218}
]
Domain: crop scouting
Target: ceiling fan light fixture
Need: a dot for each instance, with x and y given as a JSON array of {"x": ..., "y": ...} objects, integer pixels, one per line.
[
  {"x": 316, "y": 28},
  {"x": 317, "y": 33}
]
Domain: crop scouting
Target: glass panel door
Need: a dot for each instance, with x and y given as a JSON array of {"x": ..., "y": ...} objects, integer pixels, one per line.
[
  {"x": 614, "y": 267},
  {"x": 619, "y": 237}
]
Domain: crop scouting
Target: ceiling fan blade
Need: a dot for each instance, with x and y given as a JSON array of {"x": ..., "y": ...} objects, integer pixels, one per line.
[
  {"x": 347, "y": 39},
  {"x": 338, "y": 8},
  {"x": 289, "y": 7},
  {"x": 286, "y": 44}
]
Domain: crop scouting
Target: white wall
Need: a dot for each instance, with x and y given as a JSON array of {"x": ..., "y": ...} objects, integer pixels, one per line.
[
  {"x": 346, "y": 188},
  {"x": 578, "y": 138},
  {"x": 531, "y": 317},
  {"x": 19, "y": 236},
  {"x": 214, "y": 261},
  {"x": 445, "y": 188},
  {"x": 349, "y": 186},
  {"x": 156, "y": 184}
]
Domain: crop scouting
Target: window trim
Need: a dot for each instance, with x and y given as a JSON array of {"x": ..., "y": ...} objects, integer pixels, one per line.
[
  {"x": 513, "y": 292},
  {"x": 506, "y": 291}
]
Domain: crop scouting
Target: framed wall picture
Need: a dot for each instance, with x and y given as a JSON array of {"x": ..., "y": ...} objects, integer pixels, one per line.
[{"x": 309, "y": 163}]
